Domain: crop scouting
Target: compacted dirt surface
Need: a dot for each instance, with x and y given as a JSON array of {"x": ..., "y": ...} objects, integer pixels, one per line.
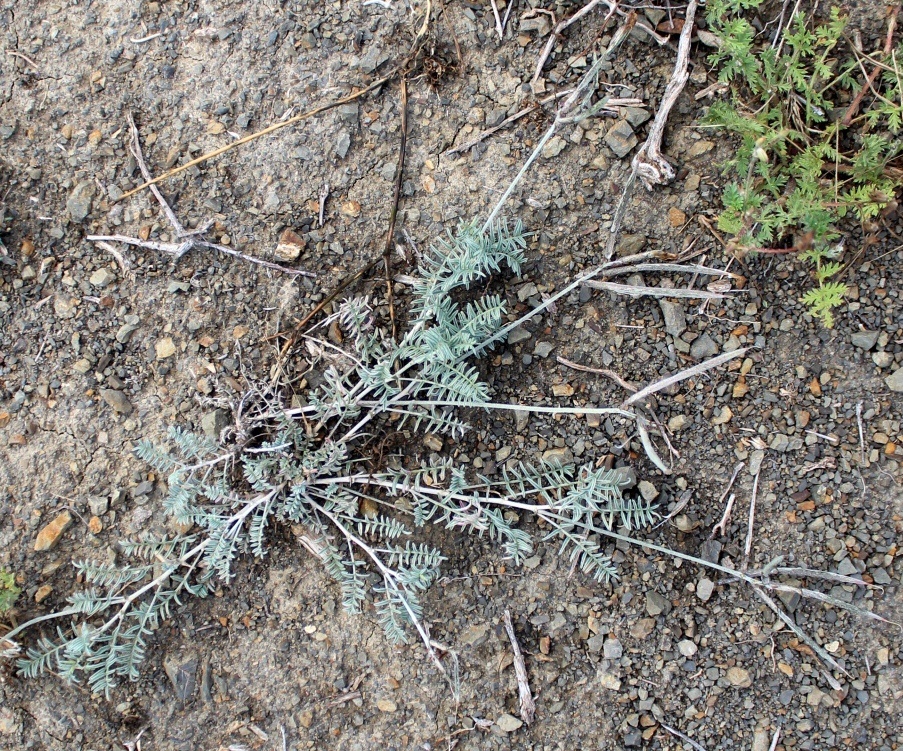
[{"x": 95, "y": 355}]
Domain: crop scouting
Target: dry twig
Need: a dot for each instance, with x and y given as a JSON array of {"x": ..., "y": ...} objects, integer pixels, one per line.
[
  {"x": 727, "y": 511},
  {"x": 684, "y": 738},
  {"x": 527, "y": 707},
  {"x": 853, "y": 109},
  {"x": 684, "y": 374},
  {"x": 396, "y": 197},
  {"x": 563, "y": 24},
  {"x": 190, "y": 240},
  {"x": 649, "y": 164},
  {"x": 599, "y": 371}
]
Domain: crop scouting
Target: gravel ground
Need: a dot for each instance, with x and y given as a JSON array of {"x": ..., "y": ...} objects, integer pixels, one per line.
[{"x": 94, "y": 357}]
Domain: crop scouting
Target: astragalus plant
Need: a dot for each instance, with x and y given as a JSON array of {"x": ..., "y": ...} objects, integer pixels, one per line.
[{"x": 313, "y": 466}]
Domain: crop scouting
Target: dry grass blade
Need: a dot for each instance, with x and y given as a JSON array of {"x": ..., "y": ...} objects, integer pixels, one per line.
[
  {"x": 635, "y": 291},
  {"x": 811, "y": 643},
  {"x": 684, "y": 738},
  {"x": 643, "y": 430},
  {"x": 686, "y": 268},
  {"x": 751, "y": 523},
  {"x": 684, "y": 374},
  {"x": 254, "y": 136},
  {"x": 527, "y": 706}
]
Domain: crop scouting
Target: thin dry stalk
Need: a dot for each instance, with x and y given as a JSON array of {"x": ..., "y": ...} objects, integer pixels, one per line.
[
  {"x": 725, "y": 517},
  {"x": 684, "y": 374},
  {"x": 189, "y": 239},
  {"x": 599, "y": 371},
  {"x": 775, "y": 738},
  {"x": 562, "y": 25},
  {"x": 120, "y": 259},
  {"x": 861, "y": 436},
  {"x": 396, "y": 197},
  {"x": 254, "y": 136},
  {"x": 853, "y": 109},
  {"x": 727, "y": 511},
  {"x": 498, "y": 19},
  {"x": 811, "y": 643},
  {"x": 527, "y": 706},
  {"x": 526, "y": 111},
  {"x": 636, "y": 291},
  {"x": 686, "y": 268},
  {"x": 649, "y": 164},
  {"x": 684, "y": 738},
  {"x": 751, "y": 523}
]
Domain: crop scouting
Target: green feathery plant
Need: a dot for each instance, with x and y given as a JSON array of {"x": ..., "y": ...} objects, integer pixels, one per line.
[
  {"x": 310, "y": 466},
  {"x": 8, "y": 590},
  {"x": 804, "y": 164}
]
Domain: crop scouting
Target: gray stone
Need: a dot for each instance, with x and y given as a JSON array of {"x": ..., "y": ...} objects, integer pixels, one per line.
[
  {"x": 145, "y": 487},
  {"x": 657, "y": 604},
  {"x": 373, "y": 58},
  {"x": 595, "y": 643},
  {"x": 543, "y": 349},
  {"x": 475, "y": 635},
  {"x": 847, "y": 568},
  {"x": 79, "y": 202},
  {"x": 612, "y": 649},
  {"x": 98, "y": 505},
  {"x": 554, "y": 147},
  {"x": 348, "y": 113},
  {"x": 755, "y": 461},
  {"x": 710, "y": 551},
  {"x": 675, "y": 320},
  {"x": 127, "y": 329},
  {"x": 527, "y": 291},
  {"x": 703, "y": 347},
  {"x": 895, "y": 380},
  {"x": 678, "y": 423},
  {"x": 508, "y": 723},
  {"x": 864, "y": 339},
  {"x": 636, "y": 116},
  {"x": 882, "y": 359},
  {"x": 117, "y": 400},
  {"x": 518, "y": 334},
  {"x": 521, "y": 419},
  {"x": 213, "y": 423},
  {"x": 181, "y": 671},
  {"x": 687, "y": 647},
  {"x": 648, "y": 490},
  {"x": 704, "y": 589},
  {"x": 621, "y": 139},
  {"x": 102, "y": 278},
  {"x": 343, "y": 144},
  {"x": 881, "y": 576},
  {"x": 779, "y": 442},
  {"x": 631, "y": 244}
]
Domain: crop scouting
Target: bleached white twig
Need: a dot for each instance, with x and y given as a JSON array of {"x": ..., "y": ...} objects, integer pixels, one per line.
[
  {"x": 190, "y": 239},
  {"x": 714, "y": 362},
  {"x": 498, "y": 19},
  {"x": 636, "y": 291},
  {"x": 730, "y": 504},
  {"x": 648, "y": 163},
  {"x": 562, "y": 25}
]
